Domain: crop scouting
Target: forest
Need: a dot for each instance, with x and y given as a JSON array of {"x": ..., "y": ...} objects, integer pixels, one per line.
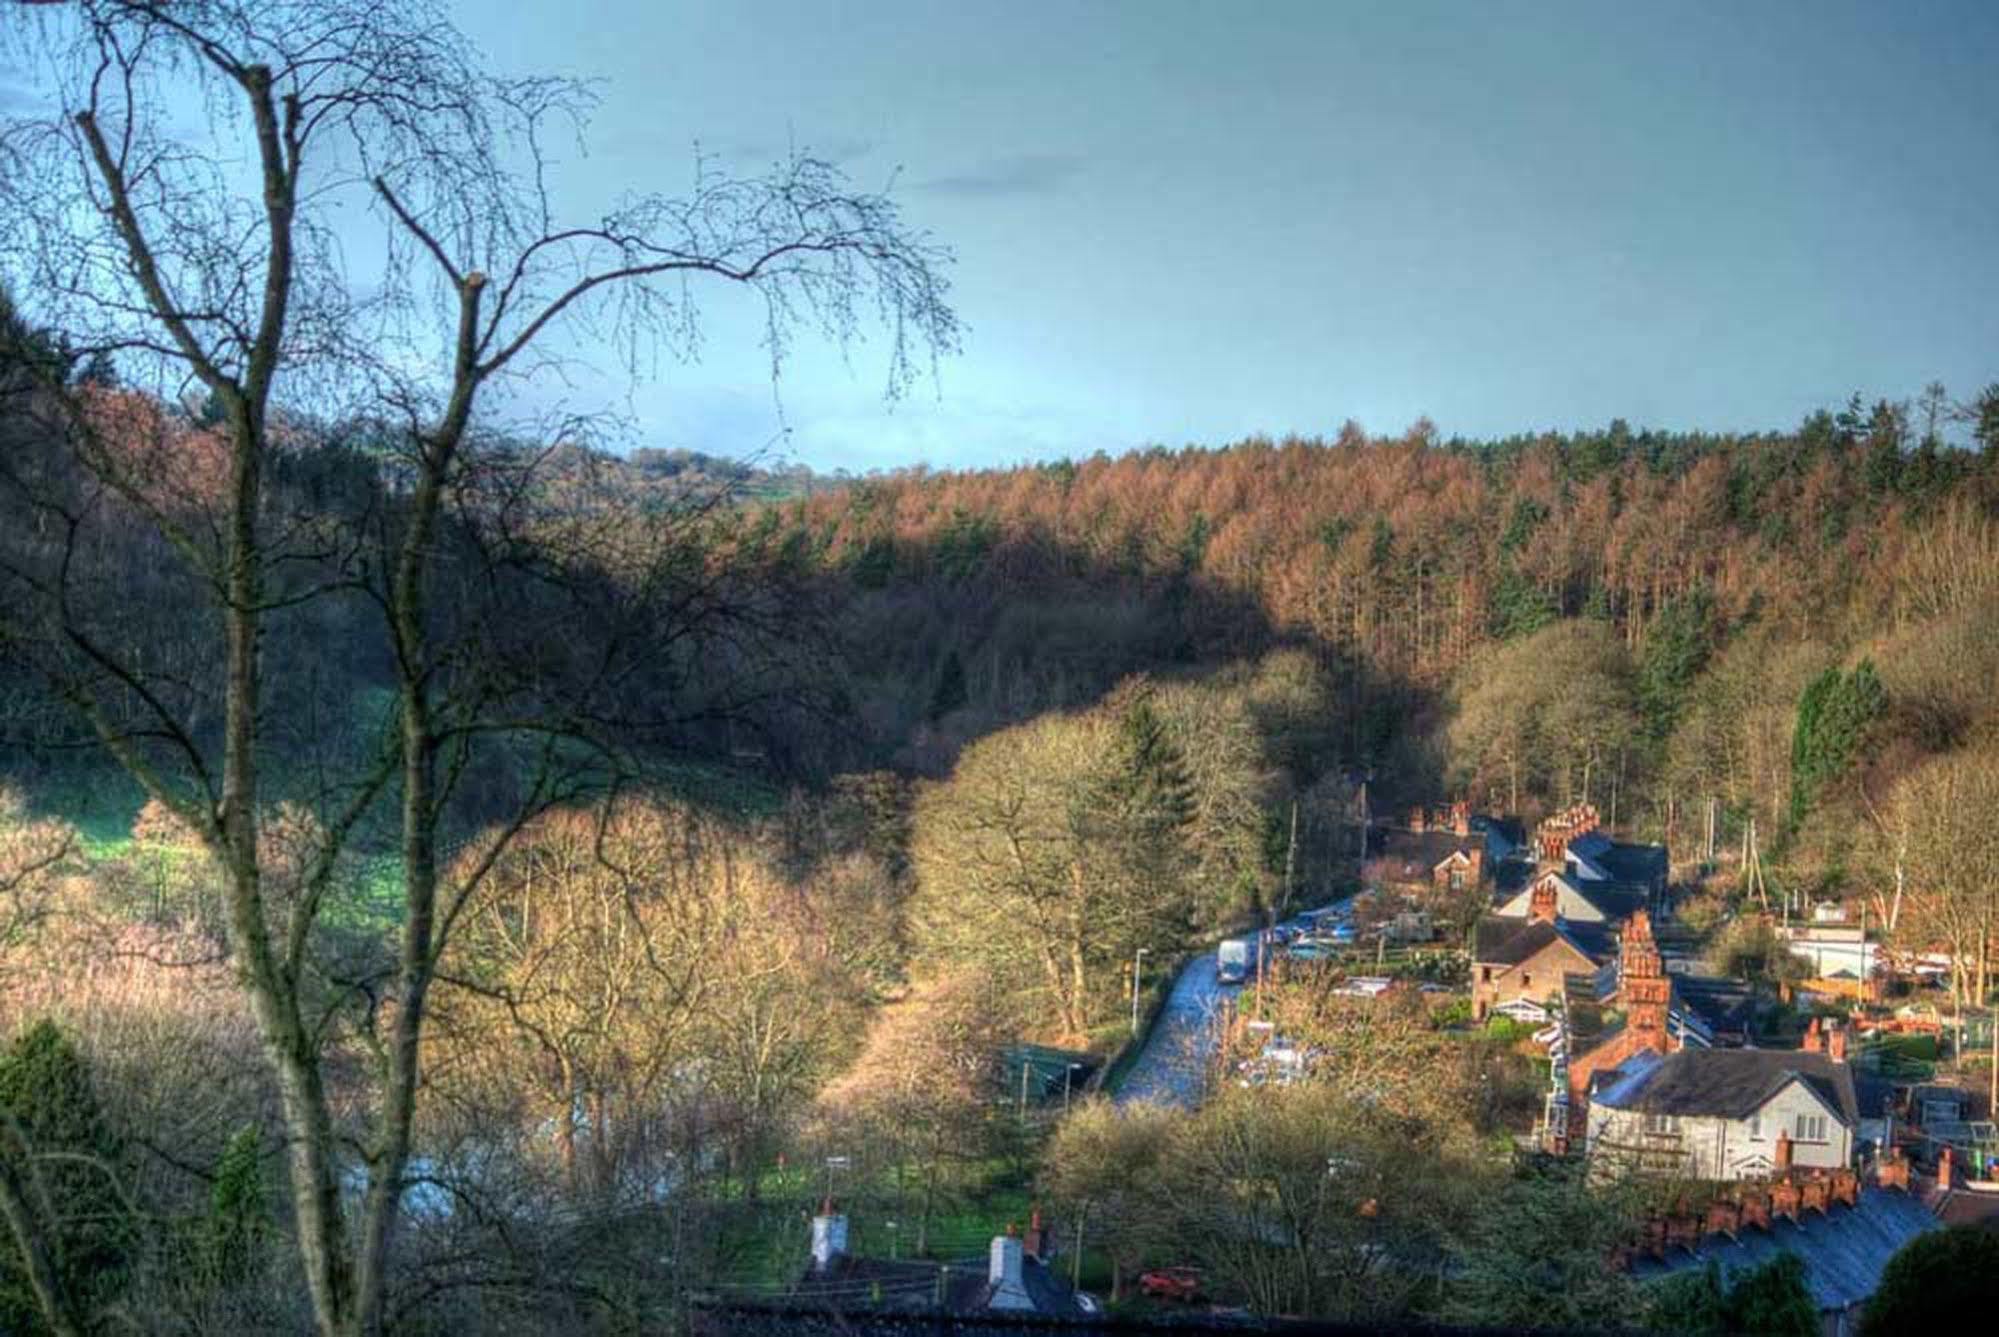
[{"x": 454, "y": 877}]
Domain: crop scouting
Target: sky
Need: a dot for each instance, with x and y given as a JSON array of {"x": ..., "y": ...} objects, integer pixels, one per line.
[{"x": 1189, "y": 223}]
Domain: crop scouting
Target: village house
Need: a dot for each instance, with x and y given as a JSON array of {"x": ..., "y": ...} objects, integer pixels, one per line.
[
  {"x": 1575, "y": 842},
  {"x": 1530, "y": 960},
  {"x": 1842, "y": 1225},
  {"x": 1725, "y": 1114},
  {"x": 1575, "y": 900},
  {"x": 1646, "y": 1024},
  {"x": 1446, "y": 852},
  {"x": 1016, "y": 1278}
]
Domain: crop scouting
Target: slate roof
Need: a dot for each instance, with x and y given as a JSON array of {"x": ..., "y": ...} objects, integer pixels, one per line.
[
  {"x": 1642, "y": 864},
  {"x": 1505, "y": 941},
  {"x": 1731, "y": 1083},
  {"x": 1844, "y": 1251},
  {"x": 1724, "y": 1004},
  {"x": 1510, "y": 878},
  {"x": 1613, "y": 900},
  {"x": 911, "y": 1284},
  {"x": 1414, "y": 854}
]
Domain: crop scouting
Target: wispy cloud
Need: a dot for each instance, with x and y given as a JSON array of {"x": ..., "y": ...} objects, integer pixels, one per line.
[
  {"x": 833, "y": 148},
  {"x": 1020, "y": 174}
]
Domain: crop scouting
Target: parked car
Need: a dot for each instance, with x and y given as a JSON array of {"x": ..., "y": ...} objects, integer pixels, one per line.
[{"x": 1172, "y": 1283}]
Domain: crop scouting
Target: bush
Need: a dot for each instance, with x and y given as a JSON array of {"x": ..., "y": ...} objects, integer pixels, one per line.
[
  {"x": 1766, "y": 1301},
  {"x": 1934, "y": 1282}
]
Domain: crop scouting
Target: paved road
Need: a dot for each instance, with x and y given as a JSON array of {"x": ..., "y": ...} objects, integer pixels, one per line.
[{"x": 1172, "y": 1068}]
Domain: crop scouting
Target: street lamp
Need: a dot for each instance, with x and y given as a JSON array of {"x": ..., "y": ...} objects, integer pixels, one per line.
[{"x": 1137, "y": 964}]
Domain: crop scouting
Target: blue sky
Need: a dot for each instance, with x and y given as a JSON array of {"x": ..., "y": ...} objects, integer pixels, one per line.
[{"x": 1187, "y": 223}]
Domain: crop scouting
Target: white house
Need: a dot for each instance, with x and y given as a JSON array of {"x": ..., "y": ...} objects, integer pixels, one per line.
[
  {"x": 1723, "y": 1114},
  {"x": 1832, "y": 950},
  {"x": 1561, "y": 895}
]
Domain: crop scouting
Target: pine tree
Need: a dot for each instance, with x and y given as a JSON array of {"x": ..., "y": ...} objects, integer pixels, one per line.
[
  {"x": 57, "y": 1147},
  {"x": 1834, "y": 714}
]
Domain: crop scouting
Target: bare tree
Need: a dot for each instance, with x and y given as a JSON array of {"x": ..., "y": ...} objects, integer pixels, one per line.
[{"x": 218, "y": 261}]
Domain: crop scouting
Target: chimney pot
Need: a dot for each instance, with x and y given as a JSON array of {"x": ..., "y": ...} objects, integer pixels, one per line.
[
  {"x": 829, "y": 1238},
  {"x": 1784, "y": 1200},
  {"x": 1003, "y": 1274}
]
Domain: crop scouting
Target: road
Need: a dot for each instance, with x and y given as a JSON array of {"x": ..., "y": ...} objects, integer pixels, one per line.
[{"x": 1172, "y": 1068}]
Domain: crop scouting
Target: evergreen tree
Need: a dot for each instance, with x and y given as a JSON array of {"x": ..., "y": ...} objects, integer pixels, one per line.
[
  {"x": 1934, "y": 1282},
  {"x": 1772, "y": 1301},
  {"x": 1834, "y": 714},
  {"x": 1676, "y": 649},
  {"x": 57, "y": 1147},
  {"x": 1983, "y": 415}
]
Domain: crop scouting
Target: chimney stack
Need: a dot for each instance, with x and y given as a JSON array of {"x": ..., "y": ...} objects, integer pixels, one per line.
[
  {"x": 1003, "y": 1274},
  {"x": 829, "y": 1237},
  {"x": 1835, "y": 1043},
  {"x": 1724, "y": 1218},
  {"x": 1461, "y": 817},
  {"x": 1418, "y": 819},
  {"x": 1813, "y": 1042},
  {"x": 1545, "y": 902},
  {"x": 1784, "y": 1199}
]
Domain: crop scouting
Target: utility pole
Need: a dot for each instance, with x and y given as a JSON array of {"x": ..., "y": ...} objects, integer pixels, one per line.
[
  {"x": 1360, "y": 823},
  {"x": 1137, "y": 964},
  {"x": 1290, "y": 862}
]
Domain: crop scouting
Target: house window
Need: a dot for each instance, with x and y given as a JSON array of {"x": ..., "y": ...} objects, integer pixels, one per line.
[
  {"x": 1662, "y": 1123},
  {"x": 1756, "y": 1127},
  {"x": 1810, "y": 1128},
  {"x": 1457, "y": 879}
]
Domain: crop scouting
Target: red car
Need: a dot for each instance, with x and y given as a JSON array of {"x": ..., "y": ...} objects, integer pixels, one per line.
[{"x": 1172, "y": 1283}]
